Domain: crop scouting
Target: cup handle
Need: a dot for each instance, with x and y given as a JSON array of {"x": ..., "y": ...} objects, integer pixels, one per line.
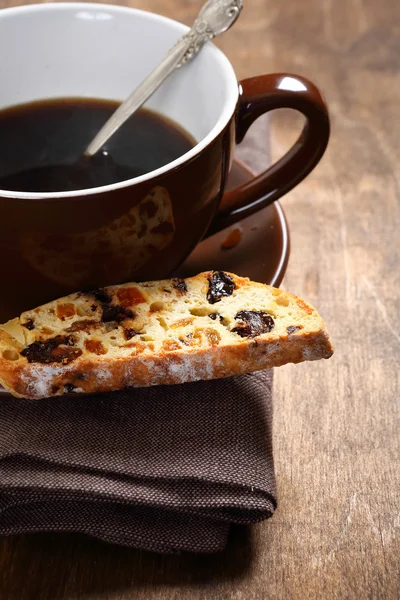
[{"x": 258, "y": 96}]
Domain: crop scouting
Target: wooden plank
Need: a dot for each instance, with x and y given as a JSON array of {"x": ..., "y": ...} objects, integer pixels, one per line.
[{"x": 336, "y": 534}]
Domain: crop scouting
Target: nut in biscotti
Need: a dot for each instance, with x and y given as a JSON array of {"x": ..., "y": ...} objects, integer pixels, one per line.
[{"x": 164, "y": 332}]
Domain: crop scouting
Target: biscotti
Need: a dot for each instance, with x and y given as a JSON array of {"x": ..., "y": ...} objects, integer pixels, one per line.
[{"x": 164, "y": 332}]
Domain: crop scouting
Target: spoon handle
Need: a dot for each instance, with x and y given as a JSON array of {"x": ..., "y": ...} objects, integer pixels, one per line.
[{"x": 181, "y": 53}]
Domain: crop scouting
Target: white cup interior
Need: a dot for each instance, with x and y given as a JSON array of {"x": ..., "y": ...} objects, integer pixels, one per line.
[{"x": 103, "y": 51}]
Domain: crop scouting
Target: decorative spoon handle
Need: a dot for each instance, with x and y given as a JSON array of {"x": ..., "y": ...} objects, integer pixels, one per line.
[{"x": 216, "y": 17}]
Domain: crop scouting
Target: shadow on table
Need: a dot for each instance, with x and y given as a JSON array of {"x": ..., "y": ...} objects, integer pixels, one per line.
[{"x": 50, "y": 566}]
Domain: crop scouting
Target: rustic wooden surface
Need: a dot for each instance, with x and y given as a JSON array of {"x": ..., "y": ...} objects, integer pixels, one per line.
[{"x": 336, "y": 533}]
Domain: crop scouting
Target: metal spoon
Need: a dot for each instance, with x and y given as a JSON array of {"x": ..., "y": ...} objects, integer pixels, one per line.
[{"x": 216, "y": 17}]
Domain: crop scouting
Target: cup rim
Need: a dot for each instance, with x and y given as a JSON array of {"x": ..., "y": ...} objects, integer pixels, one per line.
[{"x": 222, "y": 122}]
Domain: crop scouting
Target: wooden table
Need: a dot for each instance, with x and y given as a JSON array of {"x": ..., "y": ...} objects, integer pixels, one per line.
[{"x": 336, "y": 533}]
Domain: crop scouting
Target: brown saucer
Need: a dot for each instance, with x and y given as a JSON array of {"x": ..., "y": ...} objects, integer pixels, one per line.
[{"x": 263, "y": 251}]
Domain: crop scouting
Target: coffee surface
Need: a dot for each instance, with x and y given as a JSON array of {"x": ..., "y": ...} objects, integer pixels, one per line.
[{"x": 42, "y": 145}]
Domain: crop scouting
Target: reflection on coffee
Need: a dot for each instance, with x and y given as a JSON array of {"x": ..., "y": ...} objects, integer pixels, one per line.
[
  {"x": 41, "y": 145},
  {"x": 113, "y": 251}
]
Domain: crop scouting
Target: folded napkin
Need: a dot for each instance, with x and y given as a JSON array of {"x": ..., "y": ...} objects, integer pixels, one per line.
[{"x": 165, "y": 469}]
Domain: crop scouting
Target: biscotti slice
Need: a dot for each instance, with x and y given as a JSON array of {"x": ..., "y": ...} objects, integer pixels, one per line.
[{"x": 164, "y": 332}]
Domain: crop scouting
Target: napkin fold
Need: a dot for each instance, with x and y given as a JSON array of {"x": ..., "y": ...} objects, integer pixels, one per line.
[{"x": 166, "y": 469}]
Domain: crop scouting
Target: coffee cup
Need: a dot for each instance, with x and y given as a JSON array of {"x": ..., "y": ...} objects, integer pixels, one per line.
[{"x": 53, "y": 243}]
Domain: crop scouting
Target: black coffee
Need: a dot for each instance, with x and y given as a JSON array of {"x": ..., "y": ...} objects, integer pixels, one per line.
[{"x": 42, "y": 143}]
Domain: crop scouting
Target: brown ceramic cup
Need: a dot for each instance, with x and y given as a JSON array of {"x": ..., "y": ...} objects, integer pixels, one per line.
[{"x": 54, "y": 243}]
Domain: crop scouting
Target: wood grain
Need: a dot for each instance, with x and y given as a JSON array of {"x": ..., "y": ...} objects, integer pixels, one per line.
[{"x": 336, "y": 534}]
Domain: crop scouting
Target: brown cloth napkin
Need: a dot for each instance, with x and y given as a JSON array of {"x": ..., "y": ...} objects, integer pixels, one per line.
[{"x": 165, "y": 469}]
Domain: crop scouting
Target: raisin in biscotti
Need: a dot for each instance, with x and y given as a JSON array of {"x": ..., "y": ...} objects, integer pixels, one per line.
[{"x": 165, "y": 332}]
